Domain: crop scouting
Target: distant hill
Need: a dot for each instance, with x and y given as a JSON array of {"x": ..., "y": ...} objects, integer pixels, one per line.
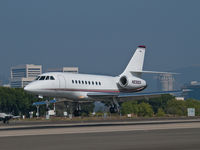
[{"x": 187, "y": 74}]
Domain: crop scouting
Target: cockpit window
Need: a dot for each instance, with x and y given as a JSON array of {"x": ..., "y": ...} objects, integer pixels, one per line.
[
  {"x": 42, "y": 78},
  {"x": 37, "y": 78},
  {"x": 47, "y": 78},
  {"x": 52, "y": 78}
]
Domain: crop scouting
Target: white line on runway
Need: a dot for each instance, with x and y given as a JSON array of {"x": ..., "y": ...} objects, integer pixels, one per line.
[
  {"x": 100, "y": 123},
  {"x": 97, "y": 129}
]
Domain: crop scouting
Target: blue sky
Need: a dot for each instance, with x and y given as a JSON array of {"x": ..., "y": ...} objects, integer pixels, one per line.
[{"x": 99, "y": 36}]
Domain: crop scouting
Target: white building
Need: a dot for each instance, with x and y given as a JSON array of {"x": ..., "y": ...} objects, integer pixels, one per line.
[
  {"x": 165, "y": 82},
  {"x": 64, "y": 69},
  {"x": 24, "y": 74}
]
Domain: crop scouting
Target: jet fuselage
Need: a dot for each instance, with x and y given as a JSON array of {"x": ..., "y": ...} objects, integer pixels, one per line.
[{"x": 77, "y": 86}]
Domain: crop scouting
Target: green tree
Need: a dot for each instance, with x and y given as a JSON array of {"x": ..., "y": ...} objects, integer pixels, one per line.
[
  {"x": 127, "y": 108},
  {"x": 175, "y": 107},
  {"x": 130, "y": 107},
  {"x": 145, "y": 109},
  {"x": 160, "y": 102},
  {"x": 160, "y": 112},
  {"x": 191, "y": 103},
  {"x": 16, "y": 101}
]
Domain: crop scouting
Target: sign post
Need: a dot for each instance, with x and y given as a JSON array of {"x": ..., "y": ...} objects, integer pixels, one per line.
[{"x": 191, "y": 112}]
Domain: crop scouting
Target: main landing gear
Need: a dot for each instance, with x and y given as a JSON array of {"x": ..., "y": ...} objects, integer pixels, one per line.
[{"x": 115, "y": 107}]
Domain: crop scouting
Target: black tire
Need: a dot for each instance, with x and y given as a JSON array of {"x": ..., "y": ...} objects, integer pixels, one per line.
[
  {"x": 113, "y": 110},
  {"x": 77, "y": 113}
]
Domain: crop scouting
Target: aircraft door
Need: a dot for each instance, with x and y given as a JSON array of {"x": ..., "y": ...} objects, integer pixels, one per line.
[{"x": 62, "y": 82}]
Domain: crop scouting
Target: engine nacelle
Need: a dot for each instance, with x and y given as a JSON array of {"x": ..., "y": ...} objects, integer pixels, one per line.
[{"x": 131, "y": 82}]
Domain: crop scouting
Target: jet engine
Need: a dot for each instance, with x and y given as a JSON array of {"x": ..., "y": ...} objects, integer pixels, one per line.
[{"x": 131, "y": 82}]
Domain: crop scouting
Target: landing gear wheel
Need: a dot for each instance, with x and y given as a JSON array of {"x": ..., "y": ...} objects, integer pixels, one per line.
[
  {"x": 113, "y": 110},
  {"x": 77, "y": 113}
]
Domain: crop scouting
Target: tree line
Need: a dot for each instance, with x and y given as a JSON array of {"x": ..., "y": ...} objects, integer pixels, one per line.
[
  {"x": 166, "y": 105},
  {"x": 18, "y": 102}
]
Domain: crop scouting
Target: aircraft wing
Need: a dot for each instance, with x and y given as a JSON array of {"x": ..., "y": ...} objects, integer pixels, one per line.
[
  {"x": 102, "y": 95},
  {"x": 133, "y": 96},
  {"x": 146, "y": 95}
]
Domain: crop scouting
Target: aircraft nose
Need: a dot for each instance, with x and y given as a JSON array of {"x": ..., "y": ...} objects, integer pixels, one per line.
[{"x": 28, "y": 88}]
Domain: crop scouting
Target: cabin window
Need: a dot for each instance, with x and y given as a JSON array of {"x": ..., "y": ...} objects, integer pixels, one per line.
[
  {"x": 52, "y": 78},
  {"x": 37, "y": 78},
  {"x": 79, "y": 81},
  {"x": 99, "y": 83},
  {"x": 92, "y": 82},
  {"x": 82, "y": 82},
  {"x": 73, "y": 81},
  {"x": 89, "y": 82},
  {"x": 76, "y": 81},
  {"x": 96, "y": 83},
  {"x": 47, "y": 78},
  {"x": 85, "y": 82}
]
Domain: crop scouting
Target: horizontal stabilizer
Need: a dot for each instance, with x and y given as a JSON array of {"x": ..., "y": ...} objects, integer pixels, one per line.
[{"x": 154, "y": 72}]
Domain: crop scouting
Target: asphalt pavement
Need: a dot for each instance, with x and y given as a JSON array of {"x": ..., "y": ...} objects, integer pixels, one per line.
[
  {"x": 170, "y": 139},
  {"x": 169, "y": 136}
]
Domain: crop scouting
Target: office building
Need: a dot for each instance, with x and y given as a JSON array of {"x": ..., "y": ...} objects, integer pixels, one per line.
[
  {"x": 24, "y": 74},
  {"x": 64, "y": 69}
]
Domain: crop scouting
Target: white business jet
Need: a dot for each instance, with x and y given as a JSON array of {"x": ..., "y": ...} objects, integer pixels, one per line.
[{"x": 85, "y": 87}]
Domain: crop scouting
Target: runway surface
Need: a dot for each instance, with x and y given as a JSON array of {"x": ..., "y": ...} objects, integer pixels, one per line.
[{"x": 173, "y": 136}]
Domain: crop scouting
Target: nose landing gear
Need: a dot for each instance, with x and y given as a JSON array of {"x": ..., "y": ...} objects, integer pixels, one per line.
[{"x": 77, "y": 111}]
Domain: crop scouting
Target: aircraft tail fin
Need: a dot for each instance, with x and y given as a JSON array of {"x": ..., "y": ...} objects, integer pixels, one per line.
[{"x": 135, "y": 65}]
